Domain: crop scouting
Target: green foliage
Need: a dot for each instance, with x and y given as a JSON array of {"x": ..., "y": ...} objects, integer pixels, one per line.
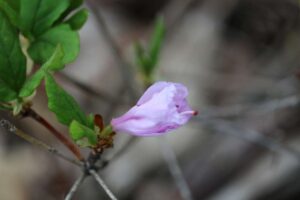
[
  {"x": 42, "y": 48},
  {"x": 78, "y": 19},
  {"x": 43, "y": 23},
  {"x": 50, "y": 27},
  {"x": 14, "y": 4},
  {"x": 53, "y": 64},
  {"x": 38, "y": 16},
  {"x": 11, "y": 8},
  {"x": 147, "y": 59},
  {"x": 17, "y": 107},
  {"x": 62, "y": 104},
  {"x": 12, "y": 61},
  {"x": 156, "y": 41},
  {"x": 90, "y": 120},
  {"x": 82, "y": 135},
  {"x": 69, "y": 113},
  {"x": 106, "y": 132},
  {"x": 32, "y": 83},
  {"x": 75, "y": 4}
]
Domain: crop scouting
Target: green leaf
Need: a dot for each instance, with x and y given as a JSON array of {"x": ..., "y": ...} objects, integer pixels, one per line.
[
  {"x": 14, "y": 4},
  {"x": 90, "y": 120},
  {"x": 156, "y": 41},
  {"x": 44, "y": 46},
  {"x": 37, "y": 16},
  {"x": 75, "y": 4},
  {"x": 108, "y": 130},
  {"x": 12, "y": 61},
  {"x": 78, "y": 19},
  {"x": 17, "y": 108},
  {"x": 11, "y": 9},
  {"x": 6, "y": 93},
  {"x": 82, "y": 135},
  {"x": 62, "y": 104},
  {"x": 142, "y": 59},
  {"x": 139, "y": 52},
  {"x": 53, "y": 64},
  {"x": 147, "y": 59},
  {"x": 32, "y": 83}
]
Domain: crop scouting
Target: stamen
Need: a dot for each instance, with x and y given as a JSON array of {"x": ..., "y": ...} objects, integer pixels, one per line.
[{"x": 190, "y": 112}]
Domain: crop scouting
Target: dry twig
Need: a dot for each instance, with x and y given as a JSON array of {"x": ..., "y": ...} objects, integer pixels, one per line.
[
  {"x": 102, "y": 184},
  {"x": 75, "y": 187},
  {"x": 175, "y": 169},
  {"x": 87, "y": 89},
  {"x": 123, "y": 65},
  {"x": 239, "y": 110},
  {"x": 61, "y": 137},
  {"x": 13, "y": 129},
  {"x": 250, "y": 135}
]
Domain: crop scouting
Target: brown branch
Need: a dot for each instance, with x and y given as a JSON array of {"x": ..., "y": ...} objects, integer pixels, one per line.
[{"x": 69, "y": 144}]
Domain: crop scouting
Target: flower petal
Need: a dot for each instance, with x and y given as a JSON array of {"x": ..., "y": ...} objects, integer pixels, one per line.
[
  {"x": 162, "y": 108},
  {"x": 155, "y": 88}
]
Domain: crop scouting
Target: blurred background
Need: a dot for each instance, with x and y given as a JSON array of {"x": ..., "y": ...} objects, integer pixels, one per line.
[{"x": 239, "y": 59}]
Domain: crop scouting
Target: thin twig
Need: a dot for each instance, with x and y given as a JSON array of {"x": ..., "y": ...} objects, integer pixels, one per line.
[
  {"x": 93, "y": 158},
  {"x": 70, "y": 145},
  {"x": 263, "y": 108},
  {"x": 113, "y": 106},
  {"x": 75, "y": 187},
  {"x": 13, "y": 129},
  {"x": 175, "y": 169},
  {"x": 87, "y": 89},
  {"x": 122, "y": 63},
  {"x": 129, "y": 143},
  {"x": 250, "y": 135},
  {"x": 102, "y": 184}
]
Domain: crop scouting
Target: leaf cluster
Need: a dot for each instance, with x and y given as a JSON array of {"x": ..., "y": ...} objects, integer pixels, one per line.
[
  {"x": 50, "y": 31},
  {"x": 147, "y": 58}
]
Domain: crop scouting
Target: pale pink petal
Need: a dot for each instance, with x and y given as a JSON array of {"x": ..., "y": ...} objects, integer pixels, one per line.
[
  {"x": 162, "y": 108},
  {"x": 155, "y": 88}
]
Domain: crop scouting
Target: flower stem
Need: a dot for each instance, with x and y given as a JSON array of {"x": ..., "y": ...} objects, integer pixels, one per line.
[{"x": 70, "y": 145}]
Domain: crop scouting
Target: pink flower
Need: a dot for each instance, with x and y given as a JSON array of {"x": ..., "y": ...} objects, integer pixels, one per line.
[{"x": 162, "y": 108}]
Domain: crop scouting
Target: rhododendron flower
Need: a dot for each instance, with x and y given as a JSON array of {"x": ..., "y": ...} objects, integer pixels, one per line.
[{"x": 162, "y": 108}]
